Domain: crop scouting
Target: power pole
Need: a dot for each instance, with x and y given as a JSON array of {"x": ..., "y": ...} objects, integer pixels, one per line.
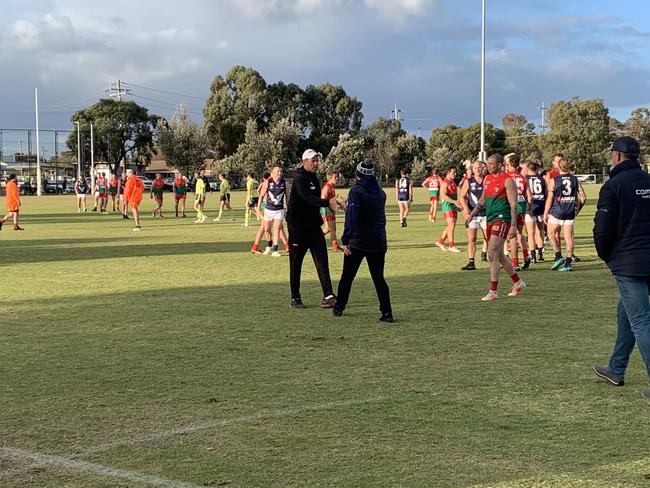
[
  {"x": 116, "y": 91},
  {"x": 543, "y": 125},
  {"x": 395, "y": 113}
]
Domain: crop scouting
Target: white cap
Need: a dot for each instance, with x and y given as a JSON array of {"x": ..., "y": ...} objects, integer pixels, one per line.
[{"x": 310, "y": 153}]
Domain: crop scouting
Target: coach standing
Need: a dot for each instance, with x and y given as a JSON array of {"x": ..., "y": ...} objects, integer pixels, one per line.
[
  {"x": 305, "y": 234},
  {"x": 365, "y": 237},
  {"x": 622, "y": 239}
]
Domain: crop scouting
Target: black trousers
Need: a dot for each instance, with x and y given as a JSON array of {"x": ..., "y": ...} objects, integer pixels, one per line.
[
  {"x": 302, "y": 240},
  {"x": 351, "y": 265}
]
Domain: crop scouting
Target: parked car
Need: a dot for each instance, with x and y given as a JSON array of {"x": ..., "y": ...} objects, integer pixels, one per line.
[
  {"x": 213, "y": 182},
  {"x": 147, "y": 183}
]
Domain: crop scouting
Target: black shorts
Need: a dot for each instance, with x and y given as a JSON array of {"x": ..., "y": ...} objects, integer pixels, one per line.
[
  {"x": 253, "y": 202},
  {"x": 225, "y": 198}
]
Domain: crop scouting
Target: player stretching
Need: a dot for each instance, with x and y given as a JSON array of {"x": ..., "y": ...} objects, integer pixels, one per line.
[
  {"x": 329, "y": 216},
  {"x": 113, "y": 187},
  {"x": 179, "y": 187},
  {"x": 199, "y": 197},
  {"x": 133, "y": 196},
  {"x": 273, "y": 194},
  {"x": 432, "y": 184},
  {"x": 157, "y": 190},
  {"x": 535, "y": 214},
  {"x": 403, "y": 195},
  {"x": 523, "y": 199},
  {"x": 450, "y": 207},
  {"x": 499, "y": 200},
  {"x": 13, "y": 202},
  {"x": 101, "y": 192},
  {"x": 251, "y": 197},
  {"x": 224, "y": 197},
  {"x": 470, "y": 194},
  {"x": 565, "y": 199}
]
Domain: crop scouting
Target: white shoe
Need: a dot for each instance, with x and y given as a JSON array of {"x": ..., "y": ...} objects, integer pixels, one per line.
[
  {"x": 276, "y": 254},
  {"x": 218, "y": 219},
  {"x": 492, "y": 295},
  {"x": 197, "y": 221},
  {"x": 205, "y": 217},
  {"x": 267, "y": 251},
  {"x": 517, "y": 288},
  {"x": 441, "y": 246},
  {"x": 453, "y": 249},
  {"x": 136, "y": 229},
  {"x": 244, "y": 225}
]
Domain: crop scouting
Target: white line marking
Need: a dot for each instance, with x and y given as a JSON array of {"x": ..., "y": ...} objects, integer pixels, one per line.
[
  {"x": 49, "y": 460},
  {"x": 220, "y": 423}
]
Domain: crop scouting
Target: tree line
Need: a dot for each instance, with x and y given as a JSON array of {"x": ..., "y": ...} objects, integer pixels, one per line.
[{"x": 250, "y": 124}]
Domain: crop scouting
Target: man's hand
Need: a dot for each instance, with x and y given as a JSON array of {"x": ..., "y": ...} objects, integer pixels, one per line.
[
  {"x": 346, "y": 250},
  {"x": 512, "y": 233},
  {"x": 333, "y": 204},
  {"x": 545, "y": 218}
]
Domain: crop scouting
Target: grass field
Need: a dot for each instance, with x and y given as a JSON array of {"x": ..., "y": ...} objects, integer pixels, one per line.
[{"x": 171, "y": 358}]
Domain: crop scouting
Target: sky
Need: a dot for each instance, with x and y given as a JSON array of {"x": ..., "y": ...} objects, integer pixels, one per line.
[{"x": 423, "y": 55}]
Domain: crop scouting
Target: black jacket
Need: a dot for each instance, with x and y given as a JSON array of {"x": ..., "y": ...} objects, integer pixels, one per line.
[
  {"x": 305, "y": 202},
  {"x": 622, "y": 221},
  {"x": 365, "y": 217}
]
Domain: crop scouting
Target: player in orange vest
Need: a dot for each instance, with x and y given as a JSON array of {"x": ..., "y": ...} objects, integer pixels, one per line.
[
  {"x": 13, "y": 201},
  {"x": 133, "y": 196}
]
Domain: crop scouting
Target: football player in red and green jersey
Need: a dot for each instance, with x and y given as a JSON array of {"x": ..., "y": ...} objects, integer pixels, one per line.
[
  {"x": 500, "y": 202},
  {"x": 524, "y": 199},
  {"x": 157, "y": 190},
  {"x": 450, "y": 208}
]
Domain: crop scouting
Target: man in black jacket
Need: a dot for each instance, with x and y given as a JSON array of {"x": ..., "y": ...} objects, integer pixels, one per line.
[
  {"x": 622, "y": 239},
  {"x": 365, "y": 237},
  {"x": 305, "y": 233}
]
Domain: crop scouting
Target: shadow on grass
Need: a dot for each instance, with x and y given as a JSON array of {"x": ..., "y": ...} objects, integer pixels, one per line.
[{"x": 53, "y": 251}]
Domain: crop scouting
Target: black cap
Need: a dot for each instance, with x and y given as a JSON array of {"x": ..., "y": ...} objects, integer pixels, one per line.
[
  {"x": 626, "y": 145},
  {"x": 365, "y": 168}
]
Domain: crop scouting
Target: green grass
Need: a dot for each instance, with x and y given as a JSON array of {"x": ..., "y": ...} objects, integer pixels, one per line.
[{"x": 109, "y": 338}]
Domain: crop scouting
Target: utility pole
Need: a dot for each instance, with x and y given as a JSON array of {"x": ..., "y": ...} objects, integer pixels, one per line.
[
  {"x": 56, "y": 155},
  {"x": 39, "y": 175},
  {"x": 78, "y": 150},
  {"x": 482, "y": 156},
  {"x": 395, "y": 113},
  {"x": 543, "y": 125},
  {"x": 116, "y": 91}
]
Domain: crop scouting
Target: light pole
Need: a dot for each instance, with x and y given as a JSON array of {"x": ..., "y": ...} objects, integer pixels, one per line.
[
  {"x": 482, "y": 155},
  {"x": 78, "y": 150},
  {"x": 92, "y": 159}
]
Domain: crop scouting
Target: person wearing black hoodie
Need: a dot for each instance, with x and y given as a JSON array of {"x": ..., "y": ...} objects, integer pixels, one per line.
[
  {"x": 622, "y": 239},
  {"x": 364, "y": 236},
  {"x": 305, "y": 233}
]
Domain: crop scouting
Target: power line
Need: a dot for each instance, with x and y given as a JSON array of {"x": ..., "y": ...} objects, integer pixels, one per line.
[{"x": 164, "y": 91}]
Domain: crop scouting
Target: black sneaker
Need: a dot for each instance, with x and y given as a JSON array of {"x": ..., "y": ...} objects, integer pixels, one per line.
[
  {"x": 404, "y": 224},
  {"x": 386, "y": 317},
  {"x": 328, "y": 302},
  {"x": 527, "y": 262},
  {"x": 646, "y": 394},
  {"x": 484, "y": 257},
  {"x": 297, "y": 303},
  {"x": 540, "y": 257},
  {"x": 604, "y": 373},
  {"x": 1, "y": 222},
  {"x": 337, "y": 312},
  {"x": 470, "y": 266},
  {"x": 576, "y": 259},
  {"x": 94, "y": 209}
]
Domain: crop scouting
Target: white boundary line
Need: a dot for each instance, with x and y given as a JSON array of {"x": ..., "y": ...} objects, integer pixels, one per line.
[
  {"x": 189, "y": 429},
  {"x": 48, "y": 460}
]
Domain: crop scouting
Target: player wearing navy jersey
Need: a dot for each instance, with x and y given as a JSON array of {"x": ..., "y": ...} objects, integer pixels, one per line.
[
  {"x": 565, "y": 199},
  {"x": 470, "y": 194},
  {"x": 274, "y": 195},
  {"x": 403, "y": 195},
  {"x": 535, "y": 215}
]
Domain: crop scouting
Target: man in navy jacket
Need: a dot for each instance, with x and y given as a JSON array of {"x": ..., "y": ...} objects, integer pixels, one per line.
[
  {"x": 622, "y": 239},
  {"x": 365, "y": 237}
]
